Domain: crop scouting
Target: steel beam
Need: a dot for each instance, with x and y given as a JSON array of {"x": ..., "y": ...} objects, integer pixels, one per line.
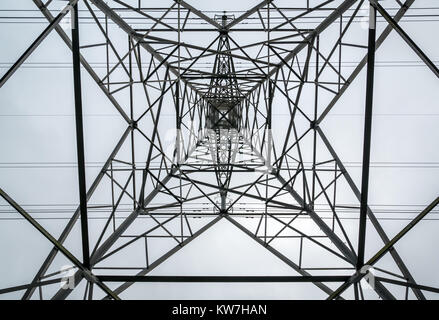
[
  {"x": 52, "y": 25},
  {"x": 279, "y": 255},
  {"x": 68, "y": 228},
  {"x": 367, "y": 138},
  {"x": 387, "y": 247},
  {"x": 166, "y": 256},
  {"x": 82, "y": 269},
  {"x": 398, "y": 16},
  {"x": 379, "y": 288},
  {"x": 408, "y": 284},
  {"x": 320, "y": 223},
  {"x": 396, "y": 257},
  {"x": 80, "y": 137},
  {"x": 212, "y": 279},
  {"x": 406, "y": 37},
  {"x": 84, "y": 62}
]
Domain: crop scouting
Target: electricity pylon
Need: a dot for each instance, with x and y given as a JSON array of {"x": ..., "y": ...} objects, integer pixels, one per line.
[{"x": 223, "y": 79}]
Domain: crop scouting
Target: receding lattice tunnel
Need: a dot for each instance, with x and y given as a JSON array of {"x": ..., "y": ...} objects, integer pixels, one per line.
[{"x": 224, "y": 119}]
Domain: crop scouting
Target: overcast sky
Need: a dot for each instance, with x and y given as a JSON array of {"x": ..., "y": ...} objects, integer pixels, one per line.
[{"x": 38, "y": 158}]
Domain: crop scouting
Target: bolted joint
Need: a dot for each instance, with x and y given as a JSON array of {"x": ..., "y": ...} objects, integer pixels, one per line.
[
  {"x": 275, "y": 171},
  {"x": 133, "y": 124},
  {"x": 90, "y": 276},
  {"x": 314, "y": 124}
]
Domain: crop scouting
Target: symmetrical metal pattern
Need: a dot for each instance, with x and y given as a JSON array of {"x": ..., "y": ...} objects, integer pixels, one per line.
[{"x": 222, "y": 79}]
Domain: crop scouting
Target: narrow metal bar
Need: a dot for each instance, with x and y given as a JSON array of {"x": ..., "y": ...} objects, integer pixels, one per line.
[
  {"x": 62, "y": 294},
  {"x": 80, "y": 137},
  {"x": 408, "y": 284},
  {"x": 320, "y": 223},
  {"x": 31, "y": 285},
  {"x": 235, "y": 279},
  {"x": 198, "y": 13},
  {"x": 37, "y": 42},
  {"x": 367, "y": 137},
  {"x": 403, "y": 232}
]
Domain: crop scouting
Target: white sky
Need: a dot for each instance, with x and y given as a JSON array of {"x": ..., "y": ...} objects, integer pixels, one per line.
[{"x": 38, "y": 156}]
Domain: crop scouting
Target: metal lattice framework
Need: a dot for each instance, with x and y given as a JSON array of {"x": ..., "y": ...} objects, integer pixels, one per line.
[{"x": 222, "y": 79}]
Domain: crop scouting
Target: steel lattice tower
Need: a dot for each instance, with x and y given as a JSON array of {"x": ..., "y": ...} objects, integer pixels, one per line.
[{"x": 222, "y": 85}]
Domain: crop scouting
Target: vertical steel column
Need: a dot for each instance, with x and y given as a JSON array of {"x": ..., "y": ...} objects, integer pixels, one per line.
[
  {"x": 268, "y": 136},
  {"x": 367, "y": 136},
  {"x": 80, "y": 135},
  {"x": 178, "y": 120}
]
